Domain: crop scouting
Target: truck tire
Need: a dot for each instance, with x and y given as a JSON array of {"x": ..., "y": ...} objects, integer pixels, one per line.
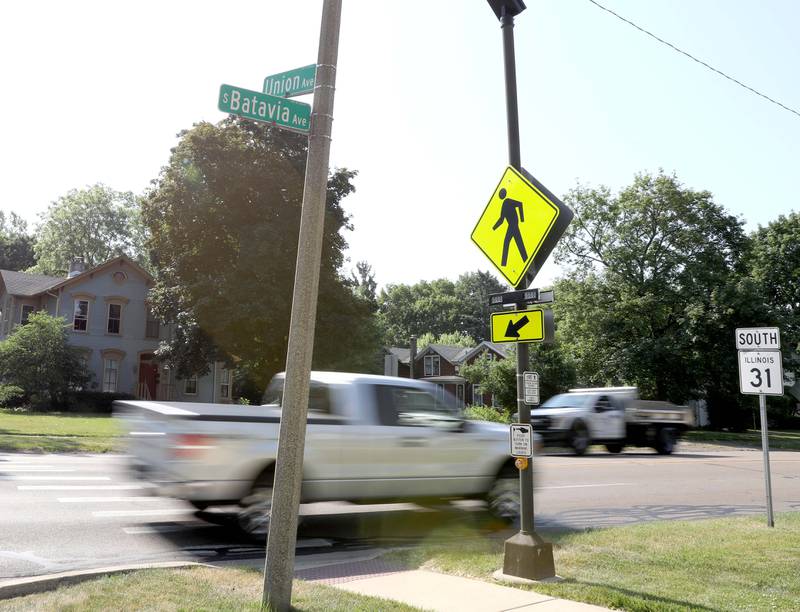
[
  {"x": 255, "y": 508},
  {"x": 503, "y": 499},
  {"x": 615, "y": 447},
  {"x": 579, "y": 438},
  {"x": 665, "y": 440}
]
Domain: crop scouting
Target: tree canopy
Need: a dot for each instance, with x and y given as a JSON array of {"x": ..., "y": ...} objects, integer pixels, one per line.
[
  {"x": 95, "y": 224},
  {"x": 656, "y": 286},
  {"x": 16, "y": 244},
  {"x": 437, "y": 307},
  {"x": 223, "y": 218}
]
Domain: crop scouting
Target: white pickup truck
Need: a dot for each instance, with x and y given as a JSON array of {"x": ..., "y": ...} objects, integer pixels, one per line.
[
  {"x": 614, "y": 416},
  {"x": 368, "y": 438}
]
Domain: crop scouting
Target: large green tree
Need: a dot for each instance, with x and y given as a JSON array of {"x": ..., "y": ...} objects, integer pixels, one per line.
[
  {"x": 37, "y": 358},
  {"x": 16, "y": 243},
  {"x": 437, "y": 307},
  {"x": 654, "y": 289},
  {"x": 223, "y": 218},
  {"x": 774, "y": 263},
  {"x": 95, "y": 224}
]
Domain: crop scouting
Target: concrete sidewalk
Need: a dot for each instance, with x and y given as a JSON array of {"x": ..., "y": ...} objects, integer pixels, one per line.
[{"x": 434, "y": 591}]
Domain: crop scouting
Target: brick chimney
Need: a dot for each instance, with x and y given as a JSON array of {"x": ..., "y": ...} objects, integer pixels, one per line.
[{"x": 76, "y": 267}]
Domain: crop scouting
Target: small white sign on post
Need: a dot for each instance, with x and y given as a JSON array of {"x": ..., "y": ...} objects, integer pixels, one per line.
[
  {"x": 761, "y": 372},
  {"x": 531, "y": 384},
  {"x": 521, "y": 435}
]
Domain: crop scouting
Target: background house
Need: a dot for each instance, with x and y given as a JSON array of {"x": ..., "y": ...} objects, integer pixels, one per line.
[
  {"x": 440, "y": 364},
  {"x": 109, "y": 321}
]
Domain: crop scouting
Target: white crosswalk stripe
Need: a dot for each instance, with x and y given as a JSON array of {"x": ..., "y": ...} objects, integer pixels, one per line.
[
  {"x": 122, "y": 487},
  {"x": 101, "y": 500}
]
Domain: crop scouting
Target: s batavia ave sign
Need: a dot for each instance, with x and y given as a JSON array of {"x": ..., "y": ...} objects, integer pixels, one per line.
[{"x": 284, "y": 113}]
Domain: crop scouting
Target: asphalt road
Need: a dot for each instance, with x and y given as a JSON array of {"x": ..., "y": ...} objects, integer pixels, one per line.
[{"x": 64, "y": 512}]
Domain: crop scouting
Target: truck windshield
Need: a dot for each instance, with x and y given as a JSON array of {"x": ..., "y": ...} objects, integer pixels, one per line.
[
  {"x": 565, "y": 400},
  {"x": 318, "y": 396}
]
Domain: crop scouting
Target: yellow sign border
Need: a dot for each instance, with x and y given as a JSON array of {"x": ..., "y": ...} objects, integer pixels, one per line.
[
  {"x": 515, "y": 281},
  {"x": 509, "y": 313}
]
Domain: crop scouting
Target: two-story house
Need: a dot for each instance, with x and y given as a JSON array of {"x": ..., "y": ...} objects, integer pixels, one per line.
[
  {"x": 440, "y": 364},
  {"x": 109, "y": 321}
]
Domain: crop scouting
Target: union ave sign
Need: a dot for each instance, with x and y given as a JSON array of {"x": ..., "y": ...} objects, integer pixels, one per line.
[{"x": 284, "y": 113}]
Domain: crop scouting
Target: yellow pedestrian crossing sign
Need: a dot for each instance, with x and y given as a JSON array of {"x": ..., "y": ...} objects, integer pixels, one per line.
[
  {"x": 520, "y": 225},
  {"x": 518, "y": 326}
]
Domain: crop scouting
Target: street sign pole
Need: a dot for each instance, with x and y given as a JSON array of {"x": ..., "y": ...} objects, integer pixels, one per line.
[
  {"x": 762, "y": 404},
  {"x": 526, "y": 555},
  {"x": 282, "y": 538}
]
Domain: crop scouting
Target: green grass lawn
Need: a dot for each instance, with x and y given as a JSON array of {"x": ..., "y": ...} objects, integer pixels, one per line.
[
  {"x": 56, "y": 433},
  {"x": 199, "y": 588},
  {"x": 779, "y": 440},
  {"x": 732, "y": 564}
]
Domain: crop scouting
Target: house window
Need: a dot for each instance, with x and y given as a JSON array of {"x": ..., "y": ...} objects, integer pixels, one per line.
[
  {"x": 110, "y": 375},
  {"x": 190, "y": 386},
  {"x": 431, "y": 363},
  {"x": 152, "y": 326},
  {"x": 440, "y": 392},
  {"x": 27, "y": 310},
  {"x": 80, "y": 318},
  {"x": 477, "y": 395},
  {"x": 225, "y": 383},
  {"x": 114, "y": 318}
]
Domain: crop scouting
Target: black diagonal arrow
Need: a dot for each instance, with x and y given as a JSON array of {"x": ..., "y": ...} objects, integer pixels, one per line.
[{"x": 512, "y": 331}]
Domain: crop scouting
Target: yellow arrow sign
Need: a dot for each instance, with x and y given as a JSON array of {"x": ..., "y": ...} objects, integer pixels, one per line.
[
  {"x": 518, "y": 326},
  {"x": 520, "y": 226}
]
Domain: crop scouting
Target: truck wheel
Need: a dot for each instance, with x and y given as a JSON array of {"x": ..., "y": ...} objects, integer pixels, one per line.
[
  {"x": 665, "y": 441},
  {"x": 256, "y": 507},
  {"x": 579, "y": 439},
  {"x": 615, "y": 447},
  {"x": 503, "y": 499}
]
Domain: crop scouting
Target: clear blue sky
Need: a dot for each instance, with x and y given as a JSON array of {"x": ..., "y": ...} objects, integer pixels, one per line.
[{"x": 96, "y": 91}]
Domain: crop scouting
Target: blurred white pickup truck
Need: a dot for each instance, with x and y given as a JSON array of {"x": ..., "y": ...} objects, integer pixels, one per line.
[
  {"x": 613, "y": 416},
  {"x": 368, "y": 438}
]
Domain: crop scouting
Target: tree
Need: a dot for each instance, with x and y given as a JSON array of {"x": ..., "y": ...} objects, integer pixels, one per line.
[
  {"x": 650, "y": 268},
  {"x": 224, "y": 218},
  {"x": 499, "y": 376},
  {"x": 364, "y": 285},
  {"x": 774, "y": 263},
  {"x": 437, "y": 307},
  {"x": 451, "y": 339},
  {"x": 16, "y": 244},
  {"x": 38, "y": 358},
  {"x": 95, "y": 224}
]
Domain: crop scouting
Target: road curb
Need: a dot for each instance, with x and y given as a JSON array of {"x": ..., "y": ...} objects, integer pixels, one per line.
[{"x": 48, "y": 582}]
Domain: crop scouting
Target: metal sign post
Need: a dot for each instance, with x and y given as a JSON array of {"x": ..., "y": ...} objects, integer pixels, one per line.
[
  {"x": 762, "y": 405},
  {"x": 526, "y": 555},
  {"x": 761, "y": 373}
]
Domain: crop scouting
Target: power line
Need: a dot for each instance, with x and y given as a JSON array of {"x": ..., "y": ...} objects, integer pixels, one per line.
[{"x": 692, "y": 57}]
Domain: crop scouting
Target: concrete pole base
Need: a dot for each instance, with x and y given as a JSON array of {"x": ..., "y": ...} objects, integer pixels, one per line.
[
  {"x": 528, "y": 556},
  {"x": 501, "y": 577}
]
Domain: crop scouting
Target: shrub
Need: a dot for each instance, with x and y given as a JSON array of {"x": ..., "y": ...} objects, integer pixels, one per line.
[
  {"x": 12, "y": 396},
  {"x": 94, "y": 402},
  {"x": 487, "y": 413}
]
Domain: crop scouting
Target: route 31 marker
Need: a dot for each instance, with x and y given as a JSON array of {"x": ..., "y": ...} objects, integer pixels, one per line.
[{"x": 761, "y": 372}]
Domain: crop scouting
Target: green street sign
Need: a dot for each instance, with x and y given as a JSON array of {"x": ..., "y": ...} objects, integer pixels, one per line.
[
  {"x": 255, "y": 105},
  {"x": 292, "y": 82}
]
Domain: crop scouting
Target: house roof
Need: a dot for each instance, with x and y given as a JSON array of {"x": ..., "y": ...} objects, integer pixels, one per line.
[
  {"x": 26, "y": 284},
  {"x": 453, "y": 354},
  {"x": 403, "y": 354},
  {"x": 497, "y": 347}
]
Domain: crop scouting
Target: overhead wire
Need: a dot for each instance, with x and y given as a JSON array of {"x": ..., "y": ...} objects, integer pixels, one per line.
[{"x": 692, "y": 57}]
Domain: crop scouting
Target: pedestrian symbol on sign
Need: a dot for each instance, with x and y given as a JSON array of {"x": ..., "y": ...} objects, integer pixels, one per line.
[{"x": 508, "y": 213}]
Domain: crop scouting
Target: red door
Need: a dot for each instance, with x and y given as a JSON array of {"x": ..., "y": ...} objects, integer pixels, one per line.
[{"x": 148, "y": 372}]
